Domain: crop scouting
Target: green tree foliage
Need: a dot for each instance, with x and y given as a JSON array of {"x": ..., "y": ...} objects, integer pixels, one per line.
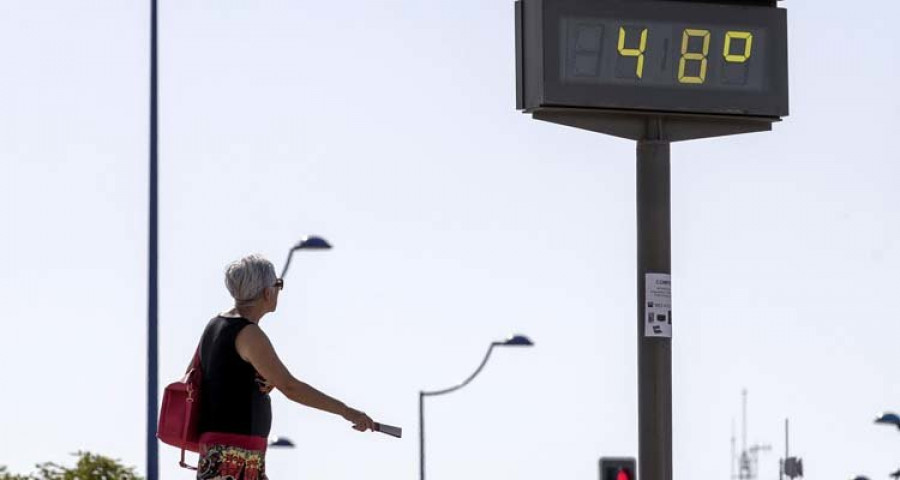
[
  {"x": 88, "y": 467},
  {"x": 5, "y": 475}
]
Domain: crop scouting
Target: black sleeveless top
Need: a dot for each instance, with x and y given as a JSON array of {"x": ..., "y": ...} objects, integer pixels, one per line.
[{"x": 230, "y": 400}]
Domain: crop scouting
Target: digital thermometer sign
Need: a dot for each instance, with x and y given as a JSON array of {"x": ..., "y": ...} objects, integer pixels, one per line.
[{"x": 653, "y": 56}]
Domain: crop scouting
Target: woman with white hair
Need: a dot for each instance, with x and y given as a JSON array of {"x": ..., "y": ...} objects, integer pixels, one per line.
[{"x": 240, "y": 368}]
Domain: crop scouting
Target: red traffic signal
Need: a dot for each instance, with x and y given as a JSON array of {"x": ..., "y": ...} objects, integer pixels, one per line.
[{"x": 617, "y": 468}]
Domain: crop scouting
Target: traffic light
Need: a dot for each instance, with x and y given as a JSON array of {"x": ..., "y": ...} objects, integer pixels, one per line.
[{"x": 617, "y": 468}]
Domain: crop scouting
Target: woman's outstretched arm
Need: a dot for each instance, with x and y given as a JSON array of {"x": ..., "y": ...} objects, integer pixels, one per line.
[{"x": 254, "y": 347}]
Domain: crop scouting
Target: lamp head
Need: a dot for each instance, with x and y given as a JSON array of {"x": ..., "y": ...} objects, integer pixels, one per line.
[
  {"x": 516, "y": 341},
  {"x": 312, "y": 242},
  {"x": 889, "y": 418},
  {"x": 282, "y": 442}
]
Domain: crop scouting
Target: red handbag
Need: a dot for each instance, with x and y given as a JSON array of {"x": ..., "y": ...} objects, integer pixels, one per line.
[{"x": 180, "y": 411}]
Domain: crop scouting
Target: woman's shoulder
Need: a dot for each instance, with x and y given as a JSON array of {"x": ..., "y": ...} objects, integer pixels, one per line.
[
  {"x": 228, "y": 314},
  {"x": 229, "y": 318},
  {"x": 221, "y": 324}
]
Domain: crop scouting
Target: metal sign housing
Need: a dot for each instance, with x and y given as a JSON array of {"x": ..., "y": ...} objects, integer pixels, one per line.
[{"x": 658, "y": 57}]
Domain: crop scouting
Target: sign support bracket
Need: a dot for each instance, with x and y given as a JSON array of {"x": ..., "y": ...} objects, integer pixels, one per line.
[{"x": 636, "y": 126}]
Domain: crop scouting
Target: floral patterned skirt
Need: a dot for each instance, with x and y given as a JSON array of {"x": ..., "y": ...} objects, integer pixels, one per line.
[{"x": 227, "y": 456}]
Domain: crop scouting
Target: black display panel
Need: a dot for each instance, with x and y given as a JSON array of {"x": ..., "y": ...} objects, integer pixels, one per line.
[{"x": 652, "y": 56}]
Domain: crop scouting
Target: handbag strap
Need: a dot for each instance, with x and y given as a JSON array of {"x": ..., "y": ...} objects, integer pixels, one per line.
[{"x": 184, "y": 464}]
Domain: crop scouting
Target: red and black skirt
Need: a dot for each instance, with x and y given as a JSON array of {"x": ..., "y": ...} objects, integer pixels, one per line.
[{"x": 228, "y": 456}]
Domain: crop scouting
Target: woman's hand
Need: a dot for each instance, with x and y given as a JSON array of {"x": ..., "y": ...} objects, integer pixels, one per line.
[
  {"x": 264, "y": 386},
  {"x": 360, "y": 420}
]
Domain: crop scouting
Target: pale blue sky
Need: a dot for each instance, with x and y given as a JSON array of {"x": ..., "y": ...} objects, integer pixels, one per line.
[{"x": 390, "y": 129}]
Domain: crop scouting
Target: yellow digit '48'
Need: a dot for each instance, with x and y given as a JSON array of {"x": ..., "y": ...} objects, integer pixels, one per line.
[
  {"x": 693, "y": 56},
  {"x": 748, "y": 46},
  {"x": 634, "y": 52}
]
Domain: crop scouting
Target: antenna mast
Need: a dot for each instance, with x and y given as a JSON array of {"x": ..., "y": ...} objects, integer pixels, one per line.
[{"x": 748, "y": 462}]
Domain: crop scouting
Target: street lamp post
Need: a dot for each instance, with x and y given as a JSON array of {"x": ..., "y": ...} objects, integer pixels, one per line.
[
  {"x": 311, "y": 242},
  {"x": 515, "y": 341},
  {"x": 152, "y": 265}
]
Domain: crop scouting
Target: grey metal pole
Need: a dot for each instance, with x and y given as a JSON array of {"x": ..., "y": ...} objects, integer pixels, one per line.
[
  {"x": 421, "y": 435},
  {"x": 783, "y": 461},
  {"x": 654, "y": 353},
  {"x": 153, "y": 267},
  {"x": 787, "y": 451}
]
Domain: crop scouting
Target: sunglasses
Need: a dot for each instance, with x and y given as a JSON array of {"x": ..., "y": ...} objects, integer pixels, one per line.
[{"x": 279, "y": 283}]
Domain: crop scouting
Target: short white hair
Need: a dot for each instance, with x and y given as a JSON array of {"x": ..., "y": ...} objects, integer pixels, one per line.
[{"x": 248, "y": 277}]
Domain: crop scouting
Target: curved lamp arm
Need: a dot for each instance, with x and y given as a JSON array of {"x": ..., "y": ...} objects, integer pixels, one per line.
[
  {"x": 311, "y": 242},
  {"x": 287, "y": 263},
  {"x": 466, "y": 381}
]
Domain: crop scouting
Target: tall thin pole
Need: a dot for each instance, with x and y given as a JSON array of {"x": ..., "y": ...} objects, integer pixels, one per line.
[
  {"x": 152, "y": 300},
  {"x": 654, "y": 353},
  {"x": 732, "y": 449},
  {"x": 786, "y": 439},
  {"x": 421, "y": 435},
  {"x": 744, "y": 420},
  {"x": 783, "y": 462}
]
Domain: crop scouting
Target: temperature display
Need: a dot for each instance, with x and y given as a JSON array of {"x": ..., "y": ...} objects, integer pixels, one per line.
[
  {"x": 653, "y": 56},
  {"x": 613, "y": 52}
]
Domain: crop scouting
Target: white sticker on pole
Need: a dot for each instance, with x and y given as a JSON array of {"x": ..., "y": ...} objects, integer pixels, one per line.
[{"x": 658, "y": 306}]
